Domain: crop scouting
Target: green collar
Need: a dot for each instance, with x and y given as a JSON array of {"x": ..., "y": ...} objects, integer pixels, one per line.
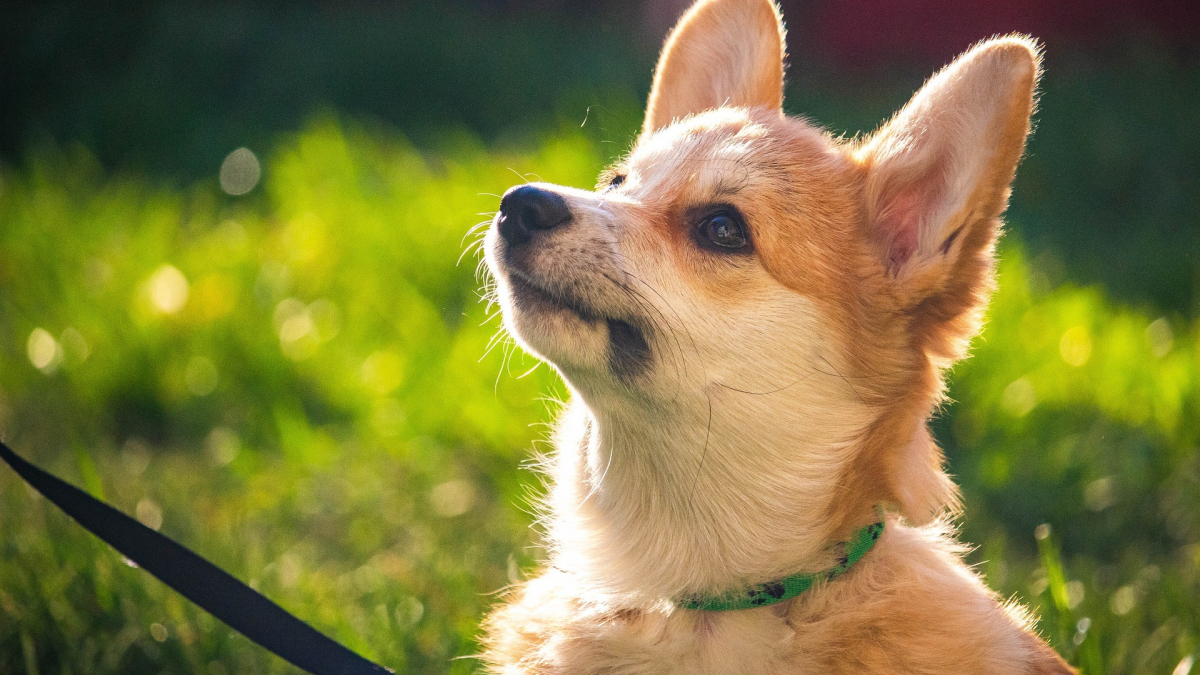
[{"x": 849, "y": 552}]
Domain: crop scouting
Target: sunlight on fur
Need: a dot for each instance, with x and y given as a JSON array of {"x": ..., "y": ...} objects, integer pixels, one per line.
[{"x": 753, "y": 318}]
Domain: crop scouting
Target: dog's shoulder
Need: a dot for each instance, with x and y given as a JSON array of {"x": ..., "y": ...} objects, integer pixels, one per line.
[
  {"x": 1046, "y": 661},
  {"x": 917, "y": 607}
]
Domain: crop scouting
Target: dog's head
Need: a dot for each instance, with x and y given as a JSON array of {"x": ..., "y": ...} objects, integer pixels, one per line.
[{"x": 744, "y": 265}]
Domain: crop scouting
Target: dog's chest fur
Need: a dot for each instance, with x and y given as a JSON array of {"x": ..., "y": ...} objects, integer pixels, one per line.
[{"x": 910, "y": 607}]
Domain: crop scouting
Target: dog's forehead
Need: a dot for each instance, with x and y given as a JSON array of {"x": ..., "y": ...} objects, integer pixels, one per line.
[{"x": 713, "y": 152}]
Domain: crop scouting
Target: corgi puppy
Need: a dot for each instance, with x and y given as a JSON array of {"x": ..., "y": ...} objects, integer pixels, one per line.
[{"x": 754, "y": 319}]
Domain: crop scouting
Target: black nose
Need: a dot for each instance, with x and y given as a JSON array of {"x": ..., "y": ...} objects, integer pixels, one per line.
[{"x": 527, "y": 209}]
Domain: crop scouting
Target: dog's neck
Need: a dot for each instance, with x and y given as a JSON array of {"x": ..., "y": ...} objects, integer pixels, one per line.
[{"x": 659, "y": 502}]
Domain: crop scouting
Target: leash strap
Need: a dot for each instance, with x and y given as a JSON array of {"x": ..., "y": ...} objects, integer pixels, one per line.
[{"x": 244, "y": 609}]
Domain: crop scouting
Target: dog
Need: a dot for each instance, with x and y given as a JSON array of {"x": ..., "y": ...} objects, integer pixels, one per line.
[{"x": 754, "y": 319}]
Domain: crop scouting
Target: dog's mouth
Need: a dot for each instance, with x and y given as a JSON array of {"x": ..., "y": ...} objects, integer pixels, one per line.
[
  {"x": 531, "y": 296},
  {"x": 628, "y": 351}
]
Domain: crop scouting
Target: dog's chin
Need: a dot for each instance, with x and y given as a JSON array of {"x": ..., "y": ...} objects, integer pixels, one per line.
[{"x": 578, "y": 339}]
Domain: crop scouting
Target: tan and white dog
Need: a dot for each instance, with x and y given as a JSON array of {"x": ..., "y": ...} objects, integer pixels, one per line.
[{"x": 753, "y": 318}]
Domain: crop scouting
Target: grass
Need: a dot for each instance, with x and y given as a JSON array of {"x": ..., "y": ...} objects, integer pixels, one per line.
[{"x": 298, "y": 384}]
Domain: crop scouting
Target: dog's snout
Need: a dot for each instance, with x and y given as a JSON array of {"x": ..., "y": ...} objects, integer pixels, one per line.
[{"x": 527, "y": 209}]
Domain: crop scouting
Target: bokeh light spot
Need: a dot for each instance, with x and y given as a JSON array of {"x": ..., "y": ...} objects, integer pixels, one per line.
[
  {"x": 1076, "y": 346},
  {"x": 1075, "y": 593},
  {"x": 135, "y": 456},
  {"x": 285, "y": 311},
  {"x": 409, "y": 612},
  {"x": 97, "y": 274},
  {"x": 44, "y": 351},
  {"x": 1081, "y": 629},
  {"x": 149, "y": 513},
  {"x": 168, "y": 289},
  {"x": 200, "y": 376},
  {"x": 1019, "y": 397},
  {"x": 273, "y": 282},
  {"x": 1100, "y": 494},
  {"x": 295, "y": 328},
  {"x": 1160, "y": 336},
  {"x": 1123, "y": 601},
  {"x": 327, "y": 319},
  {"x": 222, "y": 445},
  {"x": 383, "y": 371},
  {"x": 75, "y": 347},
  {"x": 240, "y": 172},
  {"x": 303, "y": 327},
  {"x": 452, "y": 498}
]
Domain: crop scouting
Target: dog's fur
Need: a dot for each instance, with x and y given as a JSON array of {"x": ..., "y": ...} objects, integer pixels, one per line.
[{"x": 735, "y": 413}]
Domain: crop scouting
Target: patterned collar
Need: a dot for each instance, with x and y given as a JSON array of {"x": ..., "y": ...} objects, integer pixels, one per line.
[{"x": 849, "y": 552}]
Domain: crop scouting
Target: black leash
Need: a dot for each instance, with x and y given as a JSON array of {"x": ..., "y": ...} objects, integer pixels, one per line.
[{"x": 244, "y": 609}]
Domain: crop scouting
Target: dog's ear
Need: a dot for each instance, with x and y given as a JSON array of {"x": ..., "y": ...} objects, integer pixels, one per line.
[
  {"x": 722, "y": 52},
  {"x": 938, "y": 176}
]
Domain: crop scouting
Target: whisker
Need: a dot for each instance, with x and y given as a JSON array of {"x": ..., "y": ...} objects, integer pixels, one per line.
[
  {"x": 496, "y": 339},
  {"x": 535, "y": 367},
  {"x": 473, "y": 247},
  {"x": 848, "y": 383},
  {"x": 477, "y": 226},
  {"x": 519, "y": 175},
  {"x": 483, "y": 274},
  {"x": 772, "y": 391},
  {"x": 508, "y": 349},
  {"x": 644, "y": 303},
  {"x": 679, "y": 365},
  {"x": 703, "y": 453},
  {"x": 489, "y": 317},
  {"x": 666, "y": 321},
  {"x": 596, "y": 487}
]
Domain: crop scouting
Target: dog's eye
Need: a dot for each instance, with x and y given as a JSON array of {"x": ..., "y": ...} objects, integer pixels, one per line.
[
  {"x": 724, "y": 230},
  {"x": 616, "y": 181}
]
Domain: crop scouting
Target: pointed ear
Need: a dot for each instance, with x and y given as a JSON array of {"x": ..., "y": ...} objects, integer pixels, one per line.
[
  {"x": 722, "y": 52},
  {"x": 938, "y": 176}
]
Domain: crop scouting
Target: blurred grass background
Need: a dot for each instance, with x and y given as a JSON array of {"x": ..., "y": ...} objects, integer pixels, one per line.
[{"x": 275, "y": 356}]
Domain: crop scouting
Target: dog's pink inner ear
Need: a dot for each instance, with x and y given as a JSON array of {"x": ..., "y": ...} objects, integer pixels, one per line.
[
  {"x": 940, "y": 169},
  {"x": 906, "y": 216},
  {"x": 898, "y": 225}
]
